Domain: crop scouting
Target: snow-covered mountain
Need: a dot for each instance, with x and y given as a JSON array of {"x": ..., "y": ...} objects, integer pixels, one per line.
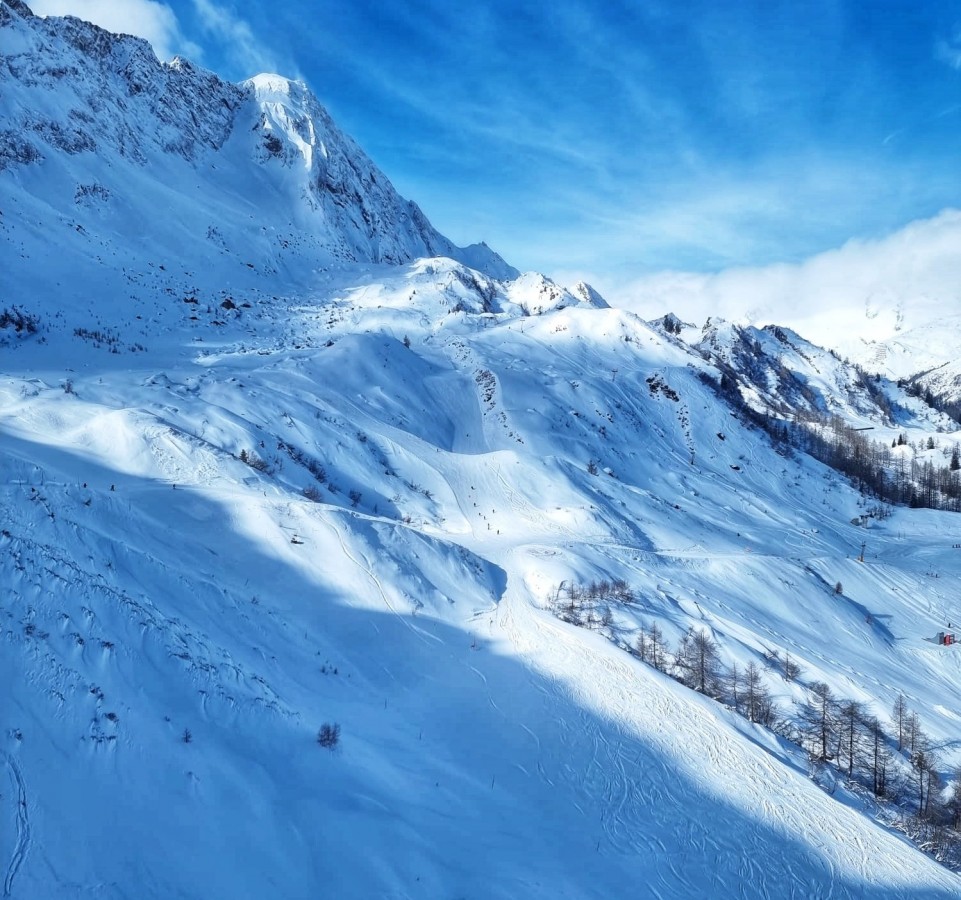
[
  {"x": 944, "y": 382},
  {"x": 907, "y": 351},
  {"x": 171, "y": 158},
  {"x": 779, "y": 371},
  {"x": 251, "y": 492}
]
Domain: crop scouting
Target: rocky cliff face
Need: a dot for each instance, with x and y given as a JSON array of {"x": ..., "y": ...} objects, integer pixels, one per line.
[
  {"x": 97, "y": 113},
  {"x": 73, "y": 87},
  {"x": 339, "y": 183}
]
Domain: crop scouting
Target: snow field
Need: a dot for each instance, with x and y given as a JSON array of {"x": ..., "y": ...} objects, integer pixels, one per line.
[
  {"x": 486, "y": 748},
  {"x": 236, "y": 504}
]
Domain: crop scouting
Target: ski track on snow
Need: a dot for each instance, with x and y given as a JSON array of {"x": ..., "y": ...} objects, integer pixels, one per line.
[
  {"x": 365, "y": 567},
  {"x": 632, "y": 787},
  {"x": 22, "y": 843}
]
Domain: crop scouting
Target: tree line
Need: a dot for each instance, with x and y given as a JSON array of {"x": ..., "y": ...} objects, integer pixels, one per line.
[
  {"x": 941, "y": 402},
  {"x": 888, "y": 758},
  {"x": 875, "y": 468}
]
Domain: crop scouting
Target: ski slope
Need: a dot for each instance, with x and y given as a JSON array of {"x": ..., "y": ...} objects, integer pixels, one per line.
[
  {"x": 254, "y": 479},
  {"x": 158, "y": 584}
]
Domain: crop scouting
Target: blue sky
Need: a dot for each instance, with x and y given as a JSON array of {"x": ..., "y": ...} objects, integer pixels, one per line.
[{"x": 614, "y": 140}]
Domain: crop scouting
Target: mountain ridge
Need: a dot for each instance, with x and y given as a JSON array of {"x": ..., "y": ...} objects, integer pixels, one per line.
[{"x": 342, "y": 206}]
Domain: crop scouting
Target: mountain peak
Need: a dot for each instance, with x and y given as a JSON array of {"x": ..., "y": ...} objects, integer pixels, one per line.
[
  {"x": 584, "y": 292},
  {"x": 207, "y": 146},
  {"x": 269, "y": 84}
]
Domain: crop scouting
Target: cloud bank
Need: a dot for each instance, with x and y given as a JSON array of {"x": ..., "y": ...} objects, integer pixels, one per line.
[{"x": 864, "y": 291}]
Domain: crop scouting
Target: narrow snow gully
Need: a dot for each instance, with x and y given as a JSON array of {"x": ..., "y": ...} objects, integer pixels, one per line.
[{"x": 22, "y": 843}]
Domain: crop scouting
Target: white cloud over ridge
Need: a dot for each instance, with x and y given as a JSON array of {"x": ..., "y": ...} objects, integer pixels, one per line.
[
  {"x": 149, "y": 19},
  {"x": 863, "y": 292}
]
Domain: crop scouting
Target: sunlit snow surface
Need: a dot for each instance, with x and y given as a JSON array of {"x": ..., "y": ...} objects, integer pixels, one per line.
[{"x": 155, "y": 586}]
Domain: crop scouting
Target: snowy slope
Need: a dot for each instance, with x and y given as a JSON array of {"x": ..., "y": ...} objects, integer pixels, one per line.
[
  {"x": 905, "y": 351},
  {"x": 779, "y": 370},
  {"x": 943, "y": 381},
  {"x": 159, "y": 584},
  {"x": 251, "y": 179},
  {"x": 239, "y": 502},
  {"x": 893, "y": 333}
]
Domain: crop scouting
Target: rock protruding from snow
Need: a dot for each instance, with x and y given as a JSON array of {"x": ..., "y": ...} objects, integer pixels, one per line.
[
  {"x": 586, "y": 294},
  {"x": 671, "y": 324}
]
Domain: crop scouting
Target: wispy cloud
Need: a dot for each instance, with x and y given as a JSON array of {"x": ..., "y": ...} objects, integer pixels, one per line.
[
  {"x": 236, "y": 39},
  {"x": 149, "y": 19},
  {"x": 949, "y": 50}
]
